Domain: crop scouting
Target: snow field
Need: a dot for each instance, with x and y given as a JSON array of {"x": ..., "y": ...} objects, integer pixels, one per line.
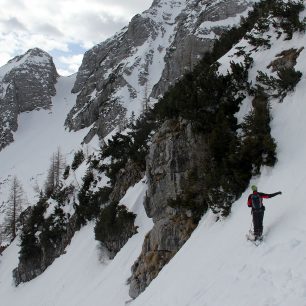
[
  {"x": 217, "y": 266},
  {"x": 82, "y": 276},
  {"x": 39, "y": 135}
]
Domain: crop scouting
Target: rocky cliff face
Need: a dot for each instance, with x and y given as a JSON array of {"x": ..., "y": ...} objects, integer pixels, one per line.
[
  {"x": 30, "y": 267},
  {"x": 176, "y": 156},
  {"x": 26, "y": 83},
  {"x": 126, "y": 177},
  {"x": 132, "y": 69}
]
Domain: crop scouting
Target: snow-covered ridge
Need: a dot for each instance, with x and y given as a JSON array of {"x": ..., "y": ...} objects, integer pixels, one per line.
[{"x": 138, "y": 65}]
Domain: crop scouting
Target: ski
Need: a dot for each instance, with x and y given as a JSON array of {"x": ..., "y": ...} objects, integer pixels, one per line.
[
  {"x": 128, "y": 302},
  {"x": 250, "y": 237}
]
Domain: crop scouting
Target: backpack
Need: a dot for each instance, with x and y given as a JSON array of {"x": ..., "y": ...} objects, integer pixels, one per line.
[{"x": 256, "y": 201}]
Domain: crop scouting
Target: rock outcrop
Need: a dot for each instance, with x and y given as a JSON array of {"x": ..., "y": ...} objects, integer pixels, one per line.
[
  {"x": 26, "y": 84},
  {"x": 136, "y": 66},
  {"x": 114, "y": 227},
  {"x": 30, "y": 267},
  {"x": 195, "y": 36},
  {"x": 126, "y": 177},
  {"x": 176, "y": 156},
  {"x": 285, "y": 60},
  {"x": 117, "y": 232}
]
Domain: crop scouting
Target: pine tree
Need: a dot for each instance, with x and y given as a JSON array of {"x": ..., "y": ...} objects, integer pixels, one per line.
[
  {"x": 50, "y": 182},
  {"x": 78, "y": 159},
  {"x": 132, "y": 120},
  {"x": 258, "y": 146}
]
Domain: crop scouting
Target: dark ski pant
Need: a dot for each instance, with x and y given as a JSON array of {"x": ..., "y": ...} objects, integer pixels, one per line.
[{"x": 257, "y": 221}]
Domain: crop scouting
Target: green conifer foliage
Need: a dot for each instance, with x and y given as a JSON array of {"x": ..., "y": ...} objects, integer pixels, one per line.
[
  {"x": 258, "y": 147},
  {"x": 40, "y": 233},
  {"x": 66, "y": 172},
  {"x": 210, "y": 100},
  {"x": 132, "y": 146},
  {"x": 288, "y": 13},
  {"x": 87, "y": 208},
  {"x": 278, "y": 87},
  {"x": 114, "y": 221},
  {"x": 30, "y": 245},
  {"x": 77, "y": 160}
]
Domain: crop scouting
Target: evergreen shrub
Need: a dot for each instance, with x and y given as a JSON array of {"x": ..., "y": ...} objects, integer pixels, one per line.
[
  {"x": 30, "y": 245},
  {"x": 132, "y": 146},
  {"x": 113, "y": 222},
  {"x": 66, "y": 172},
  {"x": 77, "y": 160}
]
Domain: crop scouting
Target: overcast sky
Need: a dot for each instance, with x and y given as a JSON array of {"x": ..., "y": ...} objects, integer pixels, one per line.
[{"x": 64, "y": 28}]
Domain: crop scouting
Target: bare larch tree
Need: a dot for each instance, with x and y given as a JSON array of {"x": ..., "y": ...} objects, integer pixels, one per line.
[{"x": 16, "y": 201}]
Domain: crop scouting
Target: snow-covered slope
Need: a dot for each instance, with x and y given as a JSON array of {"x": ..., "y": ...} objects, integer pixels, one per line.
[
  {"x": 39, "y": 135},
  {"x": 83, "y": 276},
  {"x": 216, "y": 266}
]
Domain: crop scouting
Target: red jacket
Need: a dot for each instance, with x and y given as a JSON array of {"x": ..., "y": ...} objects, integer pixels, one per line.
[{"x": 262, "y": 196}]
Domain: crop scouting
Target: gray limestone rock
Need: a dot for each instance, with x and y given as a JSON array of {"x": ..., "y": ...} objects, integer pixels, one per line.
[
  {"x": 126, "y": 177},
  {"x": 194, "y": 38},
  {"x": 140, "y": 29},
  {"x": 175, "y": 157},
  {"x": 101, "y": 75},
  {"x": 140, "y": 63},
  {"x": 26, "y": 84}
]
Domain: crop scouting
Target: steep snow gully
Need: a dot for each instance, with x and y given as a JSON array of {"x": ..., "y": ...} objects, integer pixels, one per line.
[{"x": 39, "y": 135}]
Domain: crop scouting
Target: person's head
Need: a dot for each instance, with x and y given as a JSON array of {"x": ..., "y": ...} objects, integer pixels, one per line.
[{"x": 254, "y": 188}]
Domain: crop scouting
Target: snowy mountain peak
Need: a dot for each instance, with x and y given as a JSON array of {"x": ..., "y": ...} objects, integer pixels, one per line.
[
  {"x": 35, "y": 52},
  {"x": 26, "y": 83},
  {"x": 32, "y": 56}
]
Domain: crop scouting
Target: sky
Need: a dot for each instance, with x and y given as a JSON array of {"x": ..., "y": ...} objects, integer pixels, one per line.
[{"x": 63, "y": 28}]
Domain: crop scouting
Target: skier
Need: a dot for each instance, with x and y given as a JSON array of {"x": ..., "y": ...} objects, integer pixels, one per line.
[{"x": 255, "y": 202}]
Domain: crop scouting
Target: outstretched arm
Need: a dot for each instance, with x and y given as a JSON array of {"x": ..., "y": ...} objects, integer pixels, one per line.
[{"x": 268, "y": 196}]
